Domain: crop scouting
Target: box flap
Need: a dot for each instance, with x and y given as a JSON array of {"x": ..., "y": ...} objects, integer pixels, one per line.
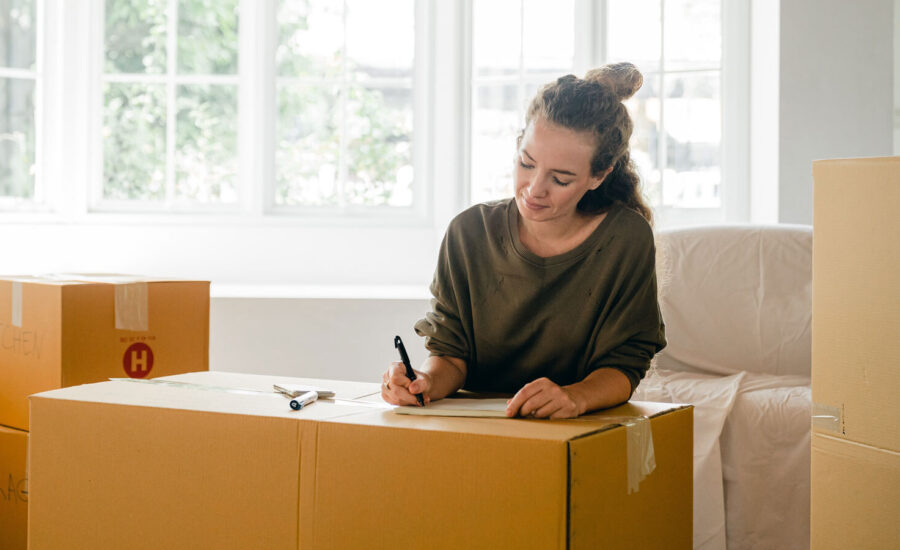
[
  {"x": 554, "y": 430},
  {"x": 148, "y": 394}
]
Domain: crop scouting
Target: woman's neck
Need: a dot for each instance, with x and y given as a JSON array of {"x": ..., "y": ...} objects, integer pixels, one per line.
[{"x": 555, "y": 237}]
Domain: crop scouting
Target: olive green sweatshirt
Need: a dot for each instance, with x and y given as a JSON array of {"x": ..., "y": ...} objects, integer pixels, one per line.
[{"x": 514, "y": 316}]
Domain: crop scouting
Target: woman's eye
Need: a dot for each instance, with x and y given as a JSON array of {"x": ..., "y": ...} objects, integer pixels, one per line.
[
  {"x": 560, "y": 182},
  {"x": 526, "y": 166}
]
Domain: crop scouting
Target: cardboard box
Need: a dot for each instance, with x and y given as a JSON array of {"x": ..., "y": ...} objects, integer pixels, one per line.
[
  {"x": 855, "y": 471},
  {"x": 855, "y": 495},
  {"x": 137, "y": 465},
  {"x": 58, "y": 332},
  {"x": 13, "y": 488},
  {"x": 856, "y": 300}
]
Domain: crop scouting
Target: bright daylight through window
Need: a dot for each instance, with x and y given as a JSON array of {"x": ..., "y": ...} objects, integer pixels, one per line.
[
  {"x": 676, "y": 44},
  {"x": 18, "y": 85},
  {"x": 299, "y": 107}
]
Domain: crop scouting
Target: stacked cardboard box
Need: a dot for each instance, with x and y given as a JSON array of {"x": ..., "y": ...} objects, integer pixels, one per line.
[
  {"x": 135, "y": 465},
  {"x": 66, "y": 330},
  {"x": 855, "y": 476}
]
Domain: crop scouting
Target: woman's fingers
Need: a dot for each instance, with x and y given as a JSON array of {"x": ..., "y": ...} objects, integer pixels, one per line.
[
  {"x": 542, "y": 399},
  {"x": 397, "y": 389}
]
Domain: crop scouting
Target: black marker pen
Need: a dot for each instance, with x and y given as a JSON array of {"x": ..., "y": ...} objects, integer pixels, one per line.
[{"x": 410, "y": 373}]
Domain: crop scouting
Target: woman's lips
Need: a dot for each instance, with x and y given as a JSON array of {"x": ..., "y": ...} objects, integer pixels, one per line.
[{"x": 532, "y": 205}]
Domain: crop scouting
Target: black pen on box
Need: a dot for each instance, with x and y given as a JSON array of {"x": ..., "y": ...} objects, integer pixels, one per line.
[{"x": 410, "y": 373}]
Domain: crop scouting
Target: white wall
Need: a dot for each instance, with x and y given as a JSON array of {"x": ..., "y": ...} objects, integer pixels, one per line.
[
  {"x": 836, "y": 80},
  {"x": 344, "y": 339}
]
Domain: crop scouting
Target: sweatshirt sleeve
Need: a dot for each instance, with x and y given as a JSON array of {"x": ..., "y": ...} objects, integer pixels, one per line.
[
  {"x": 443, "y": 327},
  {"x": 632, "y": 330}
]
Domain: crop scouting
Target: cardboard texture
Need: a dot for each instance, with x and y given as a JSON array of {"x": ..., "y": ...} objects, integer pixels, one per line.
[
  {"x": 855, "y": 471},
  {"x": 856, "y": 298},
  {"x": 13, "y": 489},
  {"x": 855, "y": 495},
  {"x": 171, "y": 467},
  {"x": 59, "y": 333}
]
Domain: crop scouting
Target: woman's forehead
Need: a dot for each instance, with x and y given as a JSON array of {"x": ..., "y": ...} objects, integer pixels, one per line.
[{"x": 546, "y": 138}]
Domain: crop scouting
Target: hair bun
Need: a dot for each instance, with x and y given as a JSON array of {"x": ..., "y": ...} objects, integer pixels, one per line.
[{"x": 624, "y": 79}]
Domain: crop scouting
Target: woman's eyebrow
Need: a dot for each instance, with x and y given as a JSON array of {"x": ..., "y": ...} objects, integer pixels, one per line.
[{"x": 557, "y": 170}]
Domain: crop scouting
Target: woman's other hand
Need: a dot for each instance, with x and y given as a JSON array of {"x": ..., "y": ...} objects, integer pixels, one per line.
[
  {"x": 397, "y": 389},
  {"x": 543, "y": 398}
]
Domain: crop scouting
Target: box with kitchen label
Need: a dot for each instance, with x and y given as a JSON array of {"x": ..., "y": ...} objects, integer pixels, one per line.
[{"x": 63, "y": 330}]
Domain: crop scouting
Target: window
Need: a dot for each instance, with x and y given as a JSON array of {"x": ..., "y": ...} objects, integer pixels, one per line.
[
  {"x": 345, "y": 72},
  {"x": 321, "y": 141},
  {"x": 170, "y": 103},
  {"x": 517, "y": 47},
  {"x": 677, "y": 143},
  {"x": 19, "y": 88}
]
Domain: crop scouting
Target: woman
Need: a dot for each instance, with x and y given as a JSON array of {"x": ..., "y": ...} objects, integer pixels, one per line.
[{"x": 550, "y": 294}]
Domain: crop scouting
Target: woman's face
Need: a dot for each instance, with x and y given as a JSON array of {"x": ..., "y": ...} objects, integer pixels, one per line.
[{"x": 553, "y": 171}]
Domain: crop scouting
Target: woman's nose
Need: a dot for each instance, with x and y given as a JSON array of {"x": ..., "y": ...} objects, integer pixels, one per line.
[{"x": 536, "y": 185}]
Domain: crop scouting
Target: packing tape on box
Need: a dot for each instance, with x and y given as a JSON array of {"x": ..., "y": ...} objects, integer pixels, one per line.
[
  {"x": 17, "y": 304},
  {"x": 131, "y": 296},
  {"x": 827, "y": 417},
  {"x": 131, "y": 307},
  {"x": 640, "y": 456}
]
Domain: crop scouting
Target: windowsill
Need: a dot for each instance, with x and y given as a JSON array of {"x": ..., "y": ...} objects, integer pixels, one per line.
[{"x": 320, "y": 292}]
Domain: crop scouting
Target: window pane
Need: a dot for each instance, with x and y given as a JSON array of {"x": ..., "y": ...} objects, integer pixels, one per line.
[
  {"x": 693, "y": 123},
  {"x": 380, "y": 38},
  {"x": 16, "y": 138},
  {"x": 136, "y": 36},
  {"x": 633, "y": 33},
  {"x": 497, "y": 37},
  {"x": 693, "y": 34},
  {"x": 208, "y": 36},
  {"x": 206, "y": 144},
  {"x": 134, "y": 132},
  {"x": 308, "y": 144},
  {"x": 549, "y": 43},
  {"x": 17, "y": 34},
  {"x": 496, "y": 121},
  {"x": 310, "y": 38},
  {"x": 379, "y": 146},
  {"x": 644, "y": 108}
]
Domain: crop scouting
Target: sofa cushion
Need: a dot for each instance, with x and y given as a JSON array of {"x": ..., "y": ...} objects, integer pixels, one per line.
[{"x": 736, "y": 298}]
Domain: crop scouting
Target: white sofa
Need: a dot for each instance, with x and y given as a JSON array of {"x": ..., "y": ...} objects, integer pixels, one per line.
[{"x": 736, "y": 301}]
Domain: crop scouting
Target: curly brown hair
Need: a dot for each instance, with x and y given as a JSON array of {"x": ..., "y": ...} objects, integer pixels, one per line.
[{"x": 594, "y": 104}]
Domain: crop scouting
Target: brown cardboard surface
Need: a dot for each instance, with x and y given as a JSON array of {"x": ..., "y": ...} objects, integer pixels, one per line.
[
  {"x": 600, "y": 512},
  {"x": 855, "y": 495},
  {"x": 13, "y": 489},
  {"x": 244, "y": 471},
  {"x": 68, "y": 337},
  {"x": 856, "y": 297}
]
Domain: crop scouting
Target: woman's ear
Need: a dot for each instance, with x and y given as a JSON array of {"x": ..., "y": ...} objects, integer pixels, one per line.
[{"x": 597, "y": 180}]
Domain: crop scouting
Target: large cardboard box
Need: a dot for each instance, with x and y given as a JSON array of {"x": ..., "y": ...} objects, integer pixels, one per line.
[
  {"x": 138, "y": 465},
  {"x": 855, "y": 475},
  {"x": 856, "y": 300},
  {"x": 13, "y": 488},
  {"x": 58, "y": 332}
]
